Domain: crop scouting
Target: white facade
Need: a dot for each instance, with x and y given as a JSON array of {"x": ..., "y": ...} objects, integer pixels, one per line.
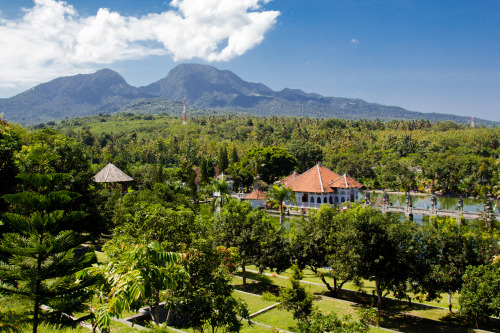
[{"x": 314, "y": 200}]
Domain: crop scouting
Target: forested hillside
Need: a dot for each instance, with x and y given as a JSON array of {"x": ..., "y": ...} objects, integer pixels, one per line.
[
  {"x": 207, "y": 90},
  {"x": 400, "y": 155}
]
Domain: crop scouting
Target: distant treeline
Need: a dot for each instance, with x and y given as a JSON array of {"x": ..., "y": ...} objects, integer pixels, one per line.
[{"x": 416, "y": 154}]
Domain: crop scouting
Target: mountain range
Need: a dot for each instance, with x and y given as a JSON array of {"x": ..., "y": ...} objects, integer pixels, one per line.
[{"x": 206, "y": 89}]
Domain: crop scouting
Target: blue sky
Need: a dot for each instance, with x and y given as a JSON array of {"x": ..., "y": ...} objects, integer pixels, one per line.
[{"x": 427, "y": 56}]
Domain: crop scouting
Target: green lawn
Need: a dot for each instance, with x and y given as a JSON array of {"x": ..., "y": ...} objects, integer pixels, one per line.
[
  {"x": 368, "y": 287},
  {"x": 397, "y": 315},
  {"x": 254, "y": 302},
  {"x": 277, "y": 318}
]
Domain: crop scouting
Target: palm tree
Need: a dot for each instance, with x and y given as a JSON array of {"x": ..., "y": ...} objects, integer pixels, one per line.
[
  {"x": 241, "y": 176},
  {"x": 280, "y": 194},
  {"x": 134, "y": 279},
  {"x": 221, "y": 191}
]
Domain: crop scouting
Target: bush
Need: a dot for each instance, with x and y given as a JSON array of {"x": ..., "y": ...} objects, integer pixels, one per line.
[
  {"x": 296, "y": 298},
  {"x": 480, "y": 296},
  {"x": 267, "y": 296},
  {"x": 319, "y": 323}
]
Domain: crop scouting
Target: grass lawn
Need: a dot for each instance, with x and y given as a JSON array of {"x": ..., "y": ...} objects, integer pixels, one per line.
[
  {"x": 397, "y": 315},
  {"x": 341, "y": 308},
  {"x": 368, "y": 286},
  {"x": 44, "y": 328},
  {"x": 277, "y": 318},
  {"x": 254, "y": 302}
]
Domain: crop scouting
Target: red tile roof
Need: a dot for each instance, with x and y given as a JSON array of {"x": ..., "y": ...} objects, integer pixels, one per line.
[
  {"x": 319, "y": 179},
  {"x": 288, "y": 179},
  {"x": 345, "y": 182},
  {"x": 314, "y": 180},
  {"x": 256, "y": 195}
]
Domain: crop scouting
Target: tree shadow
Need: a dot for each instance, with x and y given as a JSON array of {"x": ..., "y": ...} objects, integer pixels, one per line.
[
  {"x": 408, "y": 323},
  {"x": 257, "y": 287},
  {"x": 456, "y": 319},
  {"x": 255, "y": 276},
  {"x": 394, "y": 314}
]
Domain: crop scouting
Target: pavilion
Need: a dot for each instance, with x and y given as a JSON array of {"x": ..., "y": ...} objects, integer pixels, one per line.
[
  {"x": 320, "y": 185},
  {"x": 111, "y": 174}
]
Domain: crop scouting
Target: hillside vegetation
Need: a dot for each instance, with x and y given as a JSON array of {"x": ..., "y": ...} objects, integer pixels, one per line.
[
  {"x": 206, "y": 90},
  {"x": 400, "y": 155}
]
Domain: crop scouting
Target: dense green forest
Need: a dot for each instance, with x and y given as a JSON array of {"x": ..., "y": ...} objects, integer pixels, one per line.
[
  {"x": 400, "y": 155},
  {"x": 162, "y": 245}
]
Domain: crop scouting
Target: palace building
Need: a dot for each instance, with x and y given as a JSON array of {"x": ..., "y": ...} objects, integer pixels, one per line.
[{"x": 320, "y": 185}]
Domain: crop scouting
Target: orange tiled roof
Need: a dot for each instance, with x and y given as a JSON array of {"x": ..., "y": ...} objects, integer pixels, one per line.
[
  {"x": 256, "y": 195},
  {"x": 314, "y": 180},
  {"x": 288, "y": 179},
  {"x": 345, "y": 182}
]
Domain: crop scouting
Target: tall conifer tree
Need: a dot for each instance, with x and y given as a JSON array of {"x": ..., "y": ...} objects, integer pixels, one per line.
[
  {"x": 223, "y": 160},
  {"x": 39, "y": 246},
  {"x": 234, "y": 156}
]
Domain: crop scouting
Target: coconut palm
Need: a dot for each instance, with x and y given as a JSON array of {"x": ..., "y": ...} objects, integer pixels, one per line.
[
  {"x": 280, "y": 194},
  {"x": 221, "y": 193},
  {"x": 241, "y": 176}
]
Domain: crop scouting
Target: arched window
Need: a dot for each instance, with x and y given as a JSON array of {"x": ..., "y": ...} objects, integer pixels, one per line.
[
  {"x": 331, "y": 201},
  {"x": 312, "y": 200},
  {"x": 318, "y": 200},
  {"x": 325, "y": 200},
  {"x": 343, "y": 199}
]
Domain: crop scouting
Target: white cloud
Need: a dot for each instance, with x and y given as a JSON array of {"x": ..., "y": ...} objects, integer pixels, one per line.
[
  {"x": 354, "y": 41},
  {"x": 51, "y": 39}
]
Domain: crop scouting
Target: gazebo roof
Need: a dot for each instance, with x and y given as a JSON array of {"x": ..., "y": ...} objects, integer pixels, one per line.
[{"x": 111, "y": 174}]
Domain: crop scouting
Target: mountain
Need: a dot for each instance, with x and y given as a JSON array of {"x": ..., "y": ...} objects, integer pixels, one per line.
[
  {"x": 205, "y": 87},
  {"x": 72, "y": 96}
]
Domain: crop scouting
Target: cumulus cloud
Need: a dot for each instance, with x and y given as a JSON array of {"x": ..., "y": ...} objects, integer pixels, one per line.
[
  {"x": 354, "y": 41},
  {"x": 51, "y": 39}
]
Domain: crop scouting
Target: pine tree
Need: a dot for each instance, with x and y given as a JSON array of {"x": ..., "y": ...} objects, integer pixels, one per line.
[
  {"x": 296, "y": 298},
  {"x": 206, "y": 170},
  {"x": 210, "y": 168},
  {"x": 204, "y": 177},
  {"x": 234, "y": 156},
  {"x": 223, "y": 160},
  {"x": 40, "y": 247}
]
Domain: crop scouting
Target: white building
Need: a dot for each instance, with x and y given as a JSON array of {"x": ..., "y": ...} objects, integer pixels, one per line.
[{"x": 320, "y": 185}]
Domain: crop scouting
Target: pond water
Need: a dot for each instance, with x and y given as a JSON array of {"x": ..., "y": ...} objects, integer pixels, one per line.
[{"x": 424, "y": 201}]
